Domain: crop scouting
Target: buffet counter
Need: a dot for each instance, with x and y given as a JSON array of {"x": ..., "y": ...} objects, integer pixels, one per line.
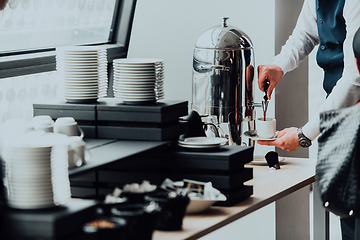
[{"x": 288, "y": 188}]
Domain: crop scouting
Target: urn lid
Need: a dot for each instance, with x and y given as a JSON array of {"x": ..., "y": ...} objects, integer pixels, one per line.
[{"x": 224, "y": 37}]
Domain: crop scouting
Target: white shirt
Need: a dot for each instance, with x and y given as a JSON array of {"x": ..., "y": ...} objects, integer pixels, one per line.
[{"x": 303, "y": 40}]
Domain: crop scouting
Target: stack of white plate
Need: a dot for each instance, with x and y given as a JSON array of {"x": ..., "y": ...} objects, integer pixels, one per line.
[
  {"x": 202, "y": 142},
  {"x": 138, "y": 80},
  {"x": 36, "y": 171},
  {"x": 82, "y": 71}
]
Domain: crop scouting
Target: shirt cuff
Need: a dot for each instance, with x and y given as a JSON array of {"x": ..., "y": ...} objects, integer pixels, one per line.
[
  {"x": 283, "y": 63},
  {"x": 311, "y": 129}
]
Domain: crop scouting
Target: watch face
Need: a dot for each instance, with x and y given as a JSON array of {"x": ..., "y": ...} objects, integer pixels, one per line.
[{"x": 303, "y": 142}]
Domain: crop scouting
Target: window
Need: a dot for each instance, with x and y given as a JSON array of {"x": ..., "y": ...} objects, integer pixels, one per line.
[
  {"x": 36, "y": 24},
  {"x": 30, "y": 30}
]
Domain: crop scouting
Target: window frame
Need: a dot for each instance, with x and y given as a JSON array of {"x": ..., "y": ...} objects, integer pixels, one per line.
[{"x": 43, "y": 60}]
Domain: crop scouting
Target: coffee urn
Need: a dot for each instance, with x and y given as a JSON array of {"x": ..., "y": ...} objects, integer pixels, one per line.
[{"x": 222, "y": 84}]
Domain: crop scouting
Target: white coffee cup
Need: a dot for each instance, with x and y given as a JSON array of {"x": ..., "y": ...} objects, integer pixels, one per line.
[
  {"x": 78, "y": 152},
  {"x": 266, "y": 129},
  {"x": 43, "y": 123},
  {"x": 67, "y": 126}
]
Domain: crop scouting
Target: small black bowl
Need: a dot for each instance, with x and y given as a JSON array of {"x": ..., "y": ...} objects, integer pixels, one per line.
[
  {"x": 141, "y": 219},
  {"x": 173, "y": 209},
  {"x": 106, "y": 228},
  {"x": 138, "y": 197},
  {"x": 104, "y": 209}
]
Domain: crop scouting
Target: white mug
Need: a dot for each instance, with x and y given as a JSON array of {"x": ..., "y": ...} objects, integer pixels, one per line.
[
  {"x": 266, "y": 129},
  {"x": 78, "y": 152},
  {"x": 67, "y": 126},
  {"x": 43, "y": 123}
]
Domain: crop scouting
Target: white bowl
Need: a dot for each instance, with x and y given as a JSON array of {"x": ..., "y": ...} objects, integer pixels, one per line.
[{"x": 199, "y": 205}]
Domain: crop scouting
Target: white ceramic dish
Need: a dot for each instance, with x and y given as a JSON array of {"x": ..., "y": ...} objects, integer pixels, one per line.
[
  {"x": 198, "y": 206},
  {"x": 136, "y": 83},
  {"x": 85, "y": 85},
  {"x": 80, "y": 98},
  {"x": 138, "y": 99},
  {"x": 137, "y": 61},
  {"x": 69, "y": 95},
  {"x": 126, "y": 100},
  {"x": 203, "y": 141},
  {"x": 80, "y": 52},
  {"x": 134, "y": 78},
  {"x": 135, "y": 72},
  {"x": 84, "y": 88},
  {"x": 78, "y": 64},
  {"x": 137, "y": 93},
  {"x": 85, "y": 74},
  {"x": 135, "y": 68},
  {"x": 90, "y": 81},
  {"x": 135, "y": 89},
  {"x": 139, "y": 71},
  {"x": 200, "y": 147},
  {"x": 255, "y": 137},
  {"x": 82, "y": 92}
]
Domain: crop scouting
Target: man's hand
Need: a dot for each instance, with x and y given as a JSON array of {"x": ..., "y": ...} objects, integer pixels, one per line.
[
  {"x": 273, "y": 73},
  {"x": 286, "y": 139},
  {"x": 3, "y": 4}
]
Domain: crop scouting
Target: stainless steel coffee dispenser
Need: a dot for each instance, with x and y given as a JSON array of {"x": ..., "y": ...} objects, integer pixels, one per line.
[{"x": 223, "y": 74}]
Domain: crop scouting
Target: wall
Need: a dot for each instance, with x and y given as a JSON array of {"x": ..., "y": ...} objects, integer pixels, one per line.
[
  {"x": 292, "y": 92},
  {"x": 304, "y": 83},
  {"x": 168, "y": 29}
]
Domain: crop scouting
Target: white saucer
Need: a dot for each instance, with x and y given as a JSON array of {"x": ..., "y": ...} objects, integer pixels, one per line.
[
  {"x": 200, "y": 146},
  {"x": 255, "y": 137},
  {"x": 202, "y": 142}
]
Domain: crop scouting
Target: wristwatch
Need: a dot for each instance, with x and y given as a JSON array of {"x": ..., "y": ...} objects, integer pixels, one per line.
[{"x": 303, "y": 140}]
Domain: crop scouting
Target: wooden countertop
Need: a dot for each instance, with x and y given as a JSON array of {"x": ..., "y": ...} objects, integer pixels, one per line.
[{"x": 269, "y": 186}]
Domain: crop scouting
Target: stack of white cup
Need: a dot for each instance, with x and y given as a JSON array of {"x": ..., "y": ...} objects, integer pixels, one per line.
[{"x": 67, "y": 126}]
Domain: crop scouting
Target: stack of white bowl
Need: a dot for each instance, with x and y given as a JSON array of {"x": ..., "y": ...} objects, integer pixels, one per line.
[
  {"x": 82, "y": 72},
  {"x": 36, "y": 170},
  {"x": 138, "y": 80}
]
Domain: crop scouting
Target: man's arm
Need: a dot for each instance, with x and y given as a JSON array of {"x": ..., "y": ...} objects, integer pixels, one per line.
[
  {"x": 347, "y": 90},
  {"x": 301, "y": 42}
]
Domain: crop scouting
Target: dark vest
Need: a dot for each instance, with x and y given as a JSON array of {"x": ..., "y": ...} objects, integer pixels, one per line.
[{"x": 332, "y": 33}]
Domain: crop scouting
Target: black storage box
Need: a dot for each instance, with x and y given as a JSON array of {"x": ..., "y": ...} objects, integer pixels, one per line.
[
  {"x": 159, "y": 112},
  {"x": 150, "y": 133},
  {"x": 47, "y": 224},
  {"x": 218, "y": 180},
  {"x": 236, "y": 195},
  {"x": 226, "y": 158},
  {"x": 224, "y": 167},
  {"x": 109, "y": 118}
]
